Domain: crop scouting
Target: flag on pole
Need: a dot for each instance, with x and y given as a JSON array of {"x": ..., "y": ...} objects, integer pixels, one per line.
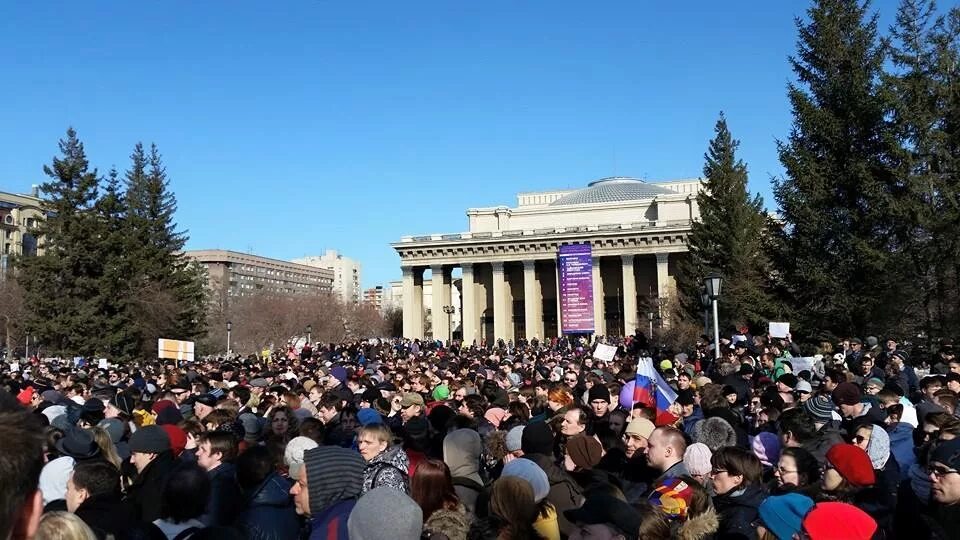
[{"x": 650, "y": 388}]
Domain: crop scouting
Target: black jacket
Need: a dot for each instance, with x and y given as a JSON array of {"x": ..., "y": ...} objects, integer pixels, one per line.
[
  {"x": 565, "y": 494},
  {"x": 146, "y": 492},
  {"x": 269, "y": 513},
  {"x": 737, "y": 512},
  {"x": 108, "y": 515},
  {"x": 225, "y": 499}
]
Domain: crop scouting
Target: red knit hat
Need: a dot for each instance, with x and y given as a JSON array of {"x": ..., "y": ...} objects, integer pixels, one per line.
[
  {"x": 838, "y": 521},
  {"x": 852, "y": 463},
  {"x": 25, "y": 395},
  {"x": 178, "y": 438}
]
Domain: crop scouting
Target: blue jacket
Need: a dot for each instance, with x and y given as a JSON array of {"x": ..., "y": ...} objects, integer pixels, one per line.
[
  {"x": 269, "y": 513},
  {"x": 225, "y": 500},
  {"x": 332, "y": 523},
  {"x": 902, "y": 448}
]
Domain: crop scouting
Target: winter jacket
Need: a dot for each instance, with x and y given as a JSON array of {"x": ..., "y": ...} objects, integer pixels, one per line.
[
  {"x": 448, "y": 524},
  {"x": 690, "y": 421},
  {"x": 225, "y": 500},
  {"x": 146, "y": 492},
  {"x": 700, "y": 527},
  {"x": 461, "y": 452},
  {"x": 332, "y": 523},
  {"x": 388, "y": 468},
  {"x": 737, "y": 511},
  {"x": 826, "y": 437},
  {"x": 902, "y": 448},
  {"x": 564, "y": 494},
  {"x": 632, "y": 475},
  {"x": 108, "y": 515},
  {"x": 269, "y": 513}
]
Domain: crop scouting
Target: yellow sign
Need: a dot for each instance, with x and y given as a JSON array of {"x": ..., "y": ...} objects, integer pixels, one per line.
[{"x": 174, "y": 349}]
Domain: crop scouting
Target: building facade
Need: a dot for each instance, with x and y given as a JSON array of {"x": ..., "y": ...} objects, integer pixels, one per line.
[
  {"x": 346, "y": 274},
  {"x": 19, "y": 217},
  {"x": 374, "y": 297},
  {"x": 508, "y": 260},
  {"x": 231, "y": 274}
]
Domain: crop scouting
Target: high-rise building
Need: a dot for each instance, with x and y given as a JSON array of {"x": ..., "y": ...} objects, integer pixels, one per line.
[
  {"x": 374, "y": 297},
  {"x": 19, "y": 217},
  {"x": 233, "y": 274},
  {"x": 346, "y": 273}
]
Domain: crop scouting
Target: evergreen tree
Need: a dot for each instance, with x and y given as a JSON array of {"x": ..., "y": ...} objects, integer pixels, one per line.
[
  {"x": 728, "y": 238},
  {"x": 61, "y": 285},
  {"x": 840, "y": 190}
]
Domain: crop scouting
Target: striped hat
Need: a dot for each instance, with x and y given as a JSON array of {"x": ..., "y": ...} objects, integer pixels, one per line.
[
  {"x": 819, "y": 408},
  {"x": 673, "y": 496},
  {"x": 334, "y": 474}
]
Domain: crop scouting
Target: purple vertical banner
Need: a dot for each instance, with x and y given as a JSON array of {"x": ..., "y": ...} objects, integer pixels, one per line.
[{"x": 576, "y": 288}]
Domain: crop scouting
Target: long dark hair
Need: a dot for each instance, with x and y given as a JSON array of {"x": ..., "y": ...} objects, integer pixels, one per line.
[{"x": 432, "y": 487}]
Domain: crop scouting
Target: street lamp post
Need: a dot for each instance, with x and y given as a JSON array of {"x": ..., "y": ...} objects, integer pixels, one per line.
[
  {"x": 712, "y": 284},
  {"x": 229, "y": 329},
  {"x": 310, "y": 333},
  {"x": 705, "y": 302},
  {"x": 650, "y": 315},
  {"x": 449, "y": 310}
]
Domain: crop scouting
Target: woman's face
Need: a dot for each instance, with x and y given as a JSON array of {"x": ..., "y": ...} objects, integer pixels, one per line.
[
  {"x": 786, "y": 472},
  {"x": 862, "y": 438},
  {"x": 554, "y": 406},
  {"x": 370, "y": 446},
  {"x": 724, "y": 482},
  {"x": 571, "y": 423},
  {"x": 831, "y": 479},
  {"x": 280, "y": 424}
]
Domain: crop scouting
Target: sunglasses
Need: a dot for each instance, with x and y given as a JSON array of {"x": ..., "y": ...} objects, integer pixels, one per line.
[{"x": 940, "y": 471}]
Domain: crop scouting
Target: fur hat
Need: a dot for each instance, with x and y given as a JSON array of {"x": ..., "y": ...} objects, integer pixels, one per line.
[
  {"x": 454, "y": 524},
  {"x": 715, "y": 433}
]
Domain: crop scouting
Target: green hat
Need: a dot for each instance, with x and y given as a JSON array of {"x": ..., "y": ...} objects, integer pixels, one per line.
[{"x": 441, "y": 392}]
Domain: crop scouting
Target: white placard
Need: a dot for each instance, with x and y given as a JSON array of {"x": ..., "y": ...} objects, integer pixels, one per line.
[
  {"x": 14, "y": 366},
  {"x": 605, "y": 352},
  {"x": 103, "y": 364},
  {"x": 779, "y": 329}
]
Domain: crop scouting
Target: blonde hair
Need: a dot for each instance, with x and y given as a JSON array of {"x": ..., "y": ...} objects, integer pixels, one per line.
[
  {"x": 63, "y": 526},
  {"x": 107, "y": 448}
]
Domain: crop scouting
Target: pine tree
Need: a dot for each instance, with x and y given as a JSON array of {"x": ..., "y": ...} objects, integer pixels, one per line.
[
  {"x": 728, "y": 238},
  {"x": 61, "y": 285},
  {"x": 840, "y": 190}
]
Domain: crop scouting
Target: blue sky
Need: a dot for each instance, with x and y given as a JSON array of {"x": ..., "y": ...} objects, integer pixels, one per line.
[{"x": 294, "y": 126}]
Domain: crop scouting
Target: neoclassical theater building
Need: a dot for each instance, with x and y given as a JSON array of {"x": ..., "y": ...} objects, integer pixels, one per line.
[{"x": 624, "y": 237}]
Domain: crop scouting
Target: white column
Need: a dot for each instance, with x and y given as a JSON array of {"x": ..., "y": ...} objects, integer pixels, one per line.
[
  {"x": 663, "y": 276},
  {"x": 599, "y": 322},
  {"x": 629, "y": 295},
  {"x": 469, "y": 314},
  {"x": 441, "y": 297},
  {"x": 499, "y": 302},
  {"x": 532, "y": 303},
  {"x": 412, "y": 313}
]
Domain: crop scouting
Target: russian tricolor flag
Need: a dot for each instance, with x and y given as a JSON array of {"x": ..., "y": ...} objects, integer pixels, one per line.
[{"x": 650, "y": 388}]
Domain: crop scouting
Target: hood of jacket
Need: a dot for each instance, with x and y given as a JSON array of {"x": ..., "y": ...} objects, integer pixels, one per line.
[
  {"x": 461, "y": 452},
  {"x": 699, "y": 527},
  {"x": 394, "y": 455},
  {"x": 274, "y": 491},
  {"x": 333, "y": 474}
]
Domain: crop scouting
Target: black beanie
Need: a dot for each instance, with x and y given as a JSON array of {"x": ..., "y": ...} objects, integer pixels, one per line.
[
  {"x": 537, "y": 439},
  {"x": 598, "y": 391},
  {"x": 150, "y": 440}
]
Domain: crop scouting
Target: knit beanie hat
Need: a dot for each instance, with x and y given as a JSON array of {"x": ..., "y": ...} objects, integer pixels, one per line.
[
  {"x": 766, "y": 446},
  {"x": 114, "y": 428},
  {"x": 532, "y": 473},
  {"x": 598, "y": 391},
  {"x": 495, "y": 415},
  {"x": 333, "y": 474},
  {"x": 879, "y": 447},
  {"x": 514, "y": 438},
  {"x": 641, "y": 427},
  {"x": 846, "y": 393},
  {"x": 948, "y": 453},
  {"x": 714, "y": 432},
  {"x": 696, "y": 459},
  {"x": 369, "y": 416},
  {"x": 852, "y": 463},
  {"x": 178, "y": 438},
  {"x": 835, "y": 520},
  {"x": 584, "y": 451},
  {"x": 150, "y": 440},
  {"x": 293, "y": 453},
  {"x": 673, "y": 496},
  {"x": 441, "y": 392},
  {"x": 537, "y": 439},
  {"x": 783, "y": 514},
  {"x": 819, "y": 408},
  {"x": 25, "y": 395},
  {"x": 385, "y": 514}
]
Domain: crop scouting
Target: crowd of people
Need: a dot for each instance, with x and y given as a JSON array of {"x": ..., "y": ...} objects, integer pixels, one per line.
[{"x": 405, "y": 439}]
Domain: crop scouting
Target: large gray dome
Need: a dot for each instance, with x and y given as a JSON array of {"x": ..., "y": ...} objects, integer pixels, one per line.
[{"x": 613, "y": 189}]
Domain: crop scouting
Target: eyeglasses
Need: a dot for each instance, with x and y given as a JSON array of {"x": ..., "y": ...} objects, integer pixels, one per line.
[
  {"x": 940, "y": 471},
  {"x": 785, "y": 471},
  {"x": 714, "y": 472},
  {"x": 570, "y": 380}
]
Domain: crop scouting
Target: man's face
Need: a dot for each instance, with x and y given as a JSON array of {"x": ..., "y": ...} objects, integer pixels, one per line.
[
  {"x": 327, "y": 414},
  {"x": 657, "y": 452},
  {"x": 855, "y": 346},
  {"x": 314, "y": 394},
  {"x": 683, "y": 381},
  {"x": 600, "y": 407},
  {"x": 140, "y": 460},
  {"x": 416, "y": 385},
  {"x": 633, "y": 444},
  {"x": 74, "y": 495},
  {"x": 931, "y": 389},
  {"x": 410, "y": 412},
  {"x": 201, "y": 410},
  {"x": 891, "y": 345},
  {"x": 301, "y": 495},
  {"x": 954, "y": 386},
  {"x": 866, "y": 366},
  {"x": 849, "y": 411},
  {"x": 946, "y": 483},
  {"x": 204, "y": 457},
  {"x": 570, "y": 379},
  {"x": 829, "y": 384}
]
